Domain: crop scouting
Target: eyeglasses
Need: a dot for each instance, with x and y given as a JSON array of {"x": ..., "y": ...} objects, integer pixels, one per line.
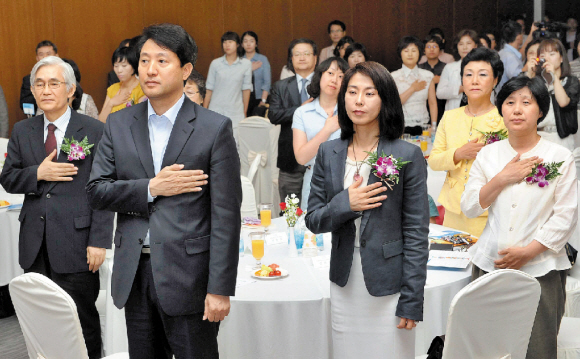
[
  {"x": 53, "y": 85},
  {"x": 299, "y": 54}
]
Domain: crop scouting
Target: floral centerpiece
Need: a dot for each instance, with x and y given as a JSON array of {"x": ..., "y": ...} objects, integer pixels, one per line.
[
  {"x": 76, "y": 150},
  {"x": 543, "y": 173},
  {"x": 386, "y": 167},
  {"x": 291, "y": 210},
  {"x": 494, "y": 136}
]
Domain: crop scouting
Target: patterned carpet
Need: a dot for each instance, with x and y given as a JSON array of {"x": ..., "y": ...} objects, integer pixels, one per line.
[{"x": 12, "y": 345}]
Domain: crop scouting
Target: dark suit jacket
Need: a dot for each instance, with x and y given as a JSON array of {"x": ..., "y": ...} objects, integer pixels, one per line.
[
  {"x": 194, "y": 237},
  {"x": 284, "y": 100},
  {"x": 26, "y": 95},
  {"x": 59, "y": 209},
  {"x": 393, "y": 240}
]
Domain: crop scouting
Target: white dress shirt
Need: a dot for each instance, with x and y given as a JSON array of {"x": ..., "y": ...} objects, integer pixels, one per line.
[
  {"x": 160, "y": 127},
  {"x": 299, "y": 82},
  {"x": 522, "y": 213},
  {"x": 61, "y": 124},
  {"x": 449, "y": 84},
  {"x": 415, "y": 108}
]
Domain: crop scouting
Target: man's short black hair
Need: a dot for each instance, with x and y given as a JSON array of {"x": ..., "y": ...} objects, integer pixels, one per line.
[
  {"x": 173, "y": 38},
  {"x": 536, "y": 86},
  {"x": 336, "y": 22},
  {"x": 295, "y": 42},
  {"x": 411, "y": 40},
  {"x": 44, "y": 43},
  {"x": 199, "y": 80},
  {"x": 510, "y": 31},
  {"x": 434, "y": 38}
]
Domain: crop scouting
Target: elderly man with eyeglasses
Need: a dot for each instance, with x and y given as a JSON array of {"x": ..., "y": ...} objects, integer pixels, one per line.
[{"x": 49, "y": 161}]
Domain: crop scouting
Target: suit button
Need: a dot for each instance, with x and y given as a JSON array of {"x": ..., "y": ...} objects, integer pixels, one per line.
[
  {"x": 48, "y": 195},
  {"x": 42, "y": 218},
  {"x": 140, "y": 240},
  {"x": 363, "y": 243}
]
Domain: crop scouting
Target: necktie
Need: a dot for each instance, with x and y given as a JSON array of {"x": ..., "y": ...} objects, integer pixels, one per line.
[
  {"x": 303, "y": 94},
  {"x": 50, "y": 143}
]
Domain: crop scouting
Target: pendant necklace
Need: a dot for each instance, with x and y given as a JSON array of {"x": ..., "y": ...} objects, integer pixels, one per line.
[
  {"x": 357, "y": 175},
  {"x": 474, "y": 115}
]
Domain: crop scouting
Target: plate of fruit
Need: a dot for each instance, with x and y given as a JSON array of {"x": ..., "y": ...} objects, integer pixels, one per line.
[{"x": 273, "y": 271}]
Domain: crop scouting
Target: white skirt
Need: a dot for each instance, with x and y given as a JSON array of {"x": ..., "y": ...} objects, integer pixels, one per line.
[{"x": 364, "y": 326}]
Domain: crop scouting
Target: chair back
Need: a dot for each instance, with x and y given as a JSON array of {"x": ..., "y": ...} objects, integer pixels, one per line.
[
  {"x": 492, "y": 317},
  {"x": 249, "y": 208},
  {"x": 48, "y": 318},
  {"x": 258, "y": 149}
]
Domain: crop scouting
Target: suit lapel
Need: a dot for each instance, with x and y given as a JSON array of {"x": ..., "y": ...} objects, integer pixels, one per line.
[
  {"x": 384, "y": 146},
  {"x": 337, "y": 166},
  {"x": 37, "y": 139},
  {"x": 182, "y": 129},
  {"x": 293, "y": 89},
  {"x": 72, "y": 129},
  {"x": 140, "y": 132}
]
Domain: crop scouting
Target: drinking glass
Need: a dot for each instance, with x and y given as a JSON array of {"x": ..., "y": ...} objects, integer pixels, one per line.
[
  {"x": 257, "y": 239},
  {"x": 407, "y": 137},
  {"x": 424, "y": 144},
  {"x": 265, "y": 215},
  {"x": 426, "y": 129}
]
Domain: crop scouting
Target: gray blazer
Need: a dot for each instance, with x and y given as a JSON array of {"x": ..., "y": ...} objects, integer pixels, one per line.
[
  {"x": 194, "y": 236},
  {"x": 393, "y": 240}
]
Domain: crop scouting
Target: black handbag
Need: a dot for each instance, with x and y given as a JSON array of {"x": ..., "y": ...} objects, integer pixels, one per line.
[
  {"x": 436, "y": 349},
  {"x": 571, "y": 252}
]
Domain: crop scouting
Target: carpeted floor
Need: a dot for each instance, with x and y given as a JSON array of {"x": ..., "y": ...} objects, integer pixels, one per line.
[{"x": 12, "y": 345}]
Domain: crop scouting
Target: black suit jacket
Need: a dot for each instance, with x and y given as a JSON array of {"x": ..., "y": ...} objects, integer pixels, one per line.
[
  {"x": 284, "y": 100},
  {"x": 393, "y": 237},
  {"x": 26, "y": 95},
  {"x": 59, "y": 209},
  {"x": 194, "y": 237}
]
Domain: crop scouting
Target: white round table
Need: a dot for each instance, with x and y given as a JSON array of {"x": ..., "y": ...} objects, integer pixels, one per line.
[
  {"x": 290, "y": 317},
  {"x": 9, "y": 232}
]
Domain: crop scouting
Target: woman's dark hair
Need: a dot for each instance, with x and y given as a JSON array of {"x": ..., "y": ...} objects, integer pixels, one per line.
[
  {"x": 555, "y": 44},
  {"x": 252, "y": 34},
  {"x": 173, "y": 38},
  {"x": 536, "y": 86},
  {"x": 336, "y": 22},
  {"x": 233, "y": 36},
  {"x": 340, "y": 44},
  {"x": 529, "y": 45},
  {"x": 199, "y": 80},
  {"x": 314, "y": 87},
  {"x": 357, "y": 46},
  {"x": 75, "y": 69},
  {"x": 78, "y": 97},
  {"x": 410, "y": 40},
  {"x": 124, "y": 43},
  {"x": 486, "y": 55},
  {"x": 126, "y": 53},
  {"x": 433, "y": 38},
  {"x": 437, "y": 31},
  {"x": 575, "y": 53},
  {"x": 391, "y": 118},
  {"x": 510, "y": 31},
  {"x": 295, "y": 42},
  {"x": 487, "y": 40},
  {"x": 465, "y": 32}
]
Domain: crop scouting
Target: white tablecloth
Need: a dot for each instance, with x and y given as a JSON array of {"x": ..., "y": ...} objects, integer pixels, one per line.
[
  {"x": 290, "y": 317},
  {"x": 9, "y": 231}
]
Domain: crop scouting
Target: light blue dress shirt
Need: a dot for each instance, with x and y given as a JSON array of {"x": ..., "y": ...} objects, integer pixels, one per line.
[
  {"x": 512, "y": 64},
  {"x": 160, "y": 127},
  {"x": 262, "y": 76},
  {"x": 299, "y": 82}
]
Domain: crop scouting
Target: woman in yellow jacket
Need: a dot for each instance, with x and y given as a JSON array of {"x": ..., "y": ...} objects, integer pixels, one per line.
[{"x": 459, "y": 135}]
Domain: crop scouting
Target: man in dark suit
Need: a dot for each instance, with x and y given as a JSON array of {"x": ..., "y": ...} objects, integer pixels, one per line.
[
  {"x": 60, "y": 235},
  {"x": 177, "y": 237},
  {"x": 287, "y": 95},
  {"x": 43, "y": 49}
]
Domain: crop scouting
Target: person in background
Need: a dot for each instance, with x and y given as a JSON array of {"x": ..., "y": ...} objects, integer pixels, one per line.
[
  {"x": 458, "y": 138},
  {"x": 433, "y": 210},
  {"x": 355, "y": 54},
  {"x": 43, "y": 49},
  {"x": 112, "y": 76},
  {"x": 287, "y": 95},
  {"x": 531, "y": 52},
  {"x": 195, "y": 87},
  {"x": 484, "y": 41},
  {"x": 261, "y": 72},
  {"x": 575, "y": 65},
  {"x": 415, "y": 87},
  {"x": 286, "y": 73},
  {"x": 450, "y": 87},
  {"x": 527, "y": 38},
  {"x": 229, "y": 82},
  {"x": 336, "y": 31},
  {"x": 571, "y": 37},
  {"x": 491, "y": 35},
  {"x": 561, "y": 121},
  {"x": 433, "y": 46},
  {"x": 4, "y": 121},
  {"x": 520, "y": 19},
  {"x": 528, "y": 225},
  {"x": 512, "y": 59},
  {"x": 317, "y": 122},
  {"x": 443, "y": 56},
  {"x": 342, "y": 45},
  {"x": 378, "y": 263}
]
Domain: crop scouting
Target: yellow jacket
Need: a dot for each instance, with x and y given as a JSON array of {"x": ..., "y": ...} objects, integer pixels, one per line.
[{"x": 456, "y": 129}]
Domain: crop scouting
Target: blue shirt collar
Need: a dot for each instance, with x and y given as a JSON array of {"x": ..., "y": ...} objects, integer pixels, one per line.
[
  {"x": 514, "y": 50},
  {"x": 171, "y": 114},
  {"x": 315, "y": 106},
  {"x": 225, "y": 61},
  {"x": 308, "y": 78}
]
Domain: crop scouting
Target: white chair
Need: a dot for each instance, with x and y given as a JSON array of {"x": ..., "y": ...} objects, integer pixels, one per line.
[
  {"x": 249, "y": 208},
  {"x": 3, "y": 147},
  {"x": 492, "y": 317},
  {"x": 569, "y": 339},
  {"x": 573, "y": 281},
  {"x": 48, "y": 318},
  {"x": 258, "y": 150}
]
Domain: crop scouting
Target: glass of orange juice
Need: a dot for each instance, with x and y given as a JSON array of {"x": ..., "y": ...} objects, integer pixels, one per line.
[
  {"x": 257, "y": 239},
  {"x": 424, "y": 144},
  {"x": 265, "y": 215},
  {"x": 426, "y": 130}
]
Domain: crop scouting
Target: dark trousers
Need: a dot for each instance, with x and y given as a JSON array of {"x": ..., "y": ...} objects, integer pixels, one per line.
[
  {"x": 291, "y": 183},
  {"x": 84, "y": 288},
  {"x": 155, "y": 335}
]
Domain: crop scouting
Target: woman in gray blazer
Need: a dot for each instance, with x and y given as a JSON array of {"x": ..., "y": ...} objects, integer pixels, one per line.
[{"x": 379, "y": 227}]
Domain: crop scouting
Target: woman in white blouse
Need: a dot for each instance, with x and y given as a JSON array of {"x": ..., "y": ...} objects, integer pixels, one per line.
[
  {"x": 450, "y": 87},
  {"x": 531, "y": 218},
  {"x": 415, "y": 87}
]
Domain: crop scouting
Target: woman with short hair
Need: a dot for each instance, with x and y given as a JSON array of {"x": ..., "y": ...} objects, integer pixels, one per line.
[
  {"x": 355, "y": 53},
  {"x": 342, "y": 45}
]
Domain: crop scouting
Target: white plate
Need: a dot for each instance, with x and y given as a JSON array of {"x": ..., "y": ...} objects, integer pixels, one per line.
[{"x": 284, "y": 273}]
